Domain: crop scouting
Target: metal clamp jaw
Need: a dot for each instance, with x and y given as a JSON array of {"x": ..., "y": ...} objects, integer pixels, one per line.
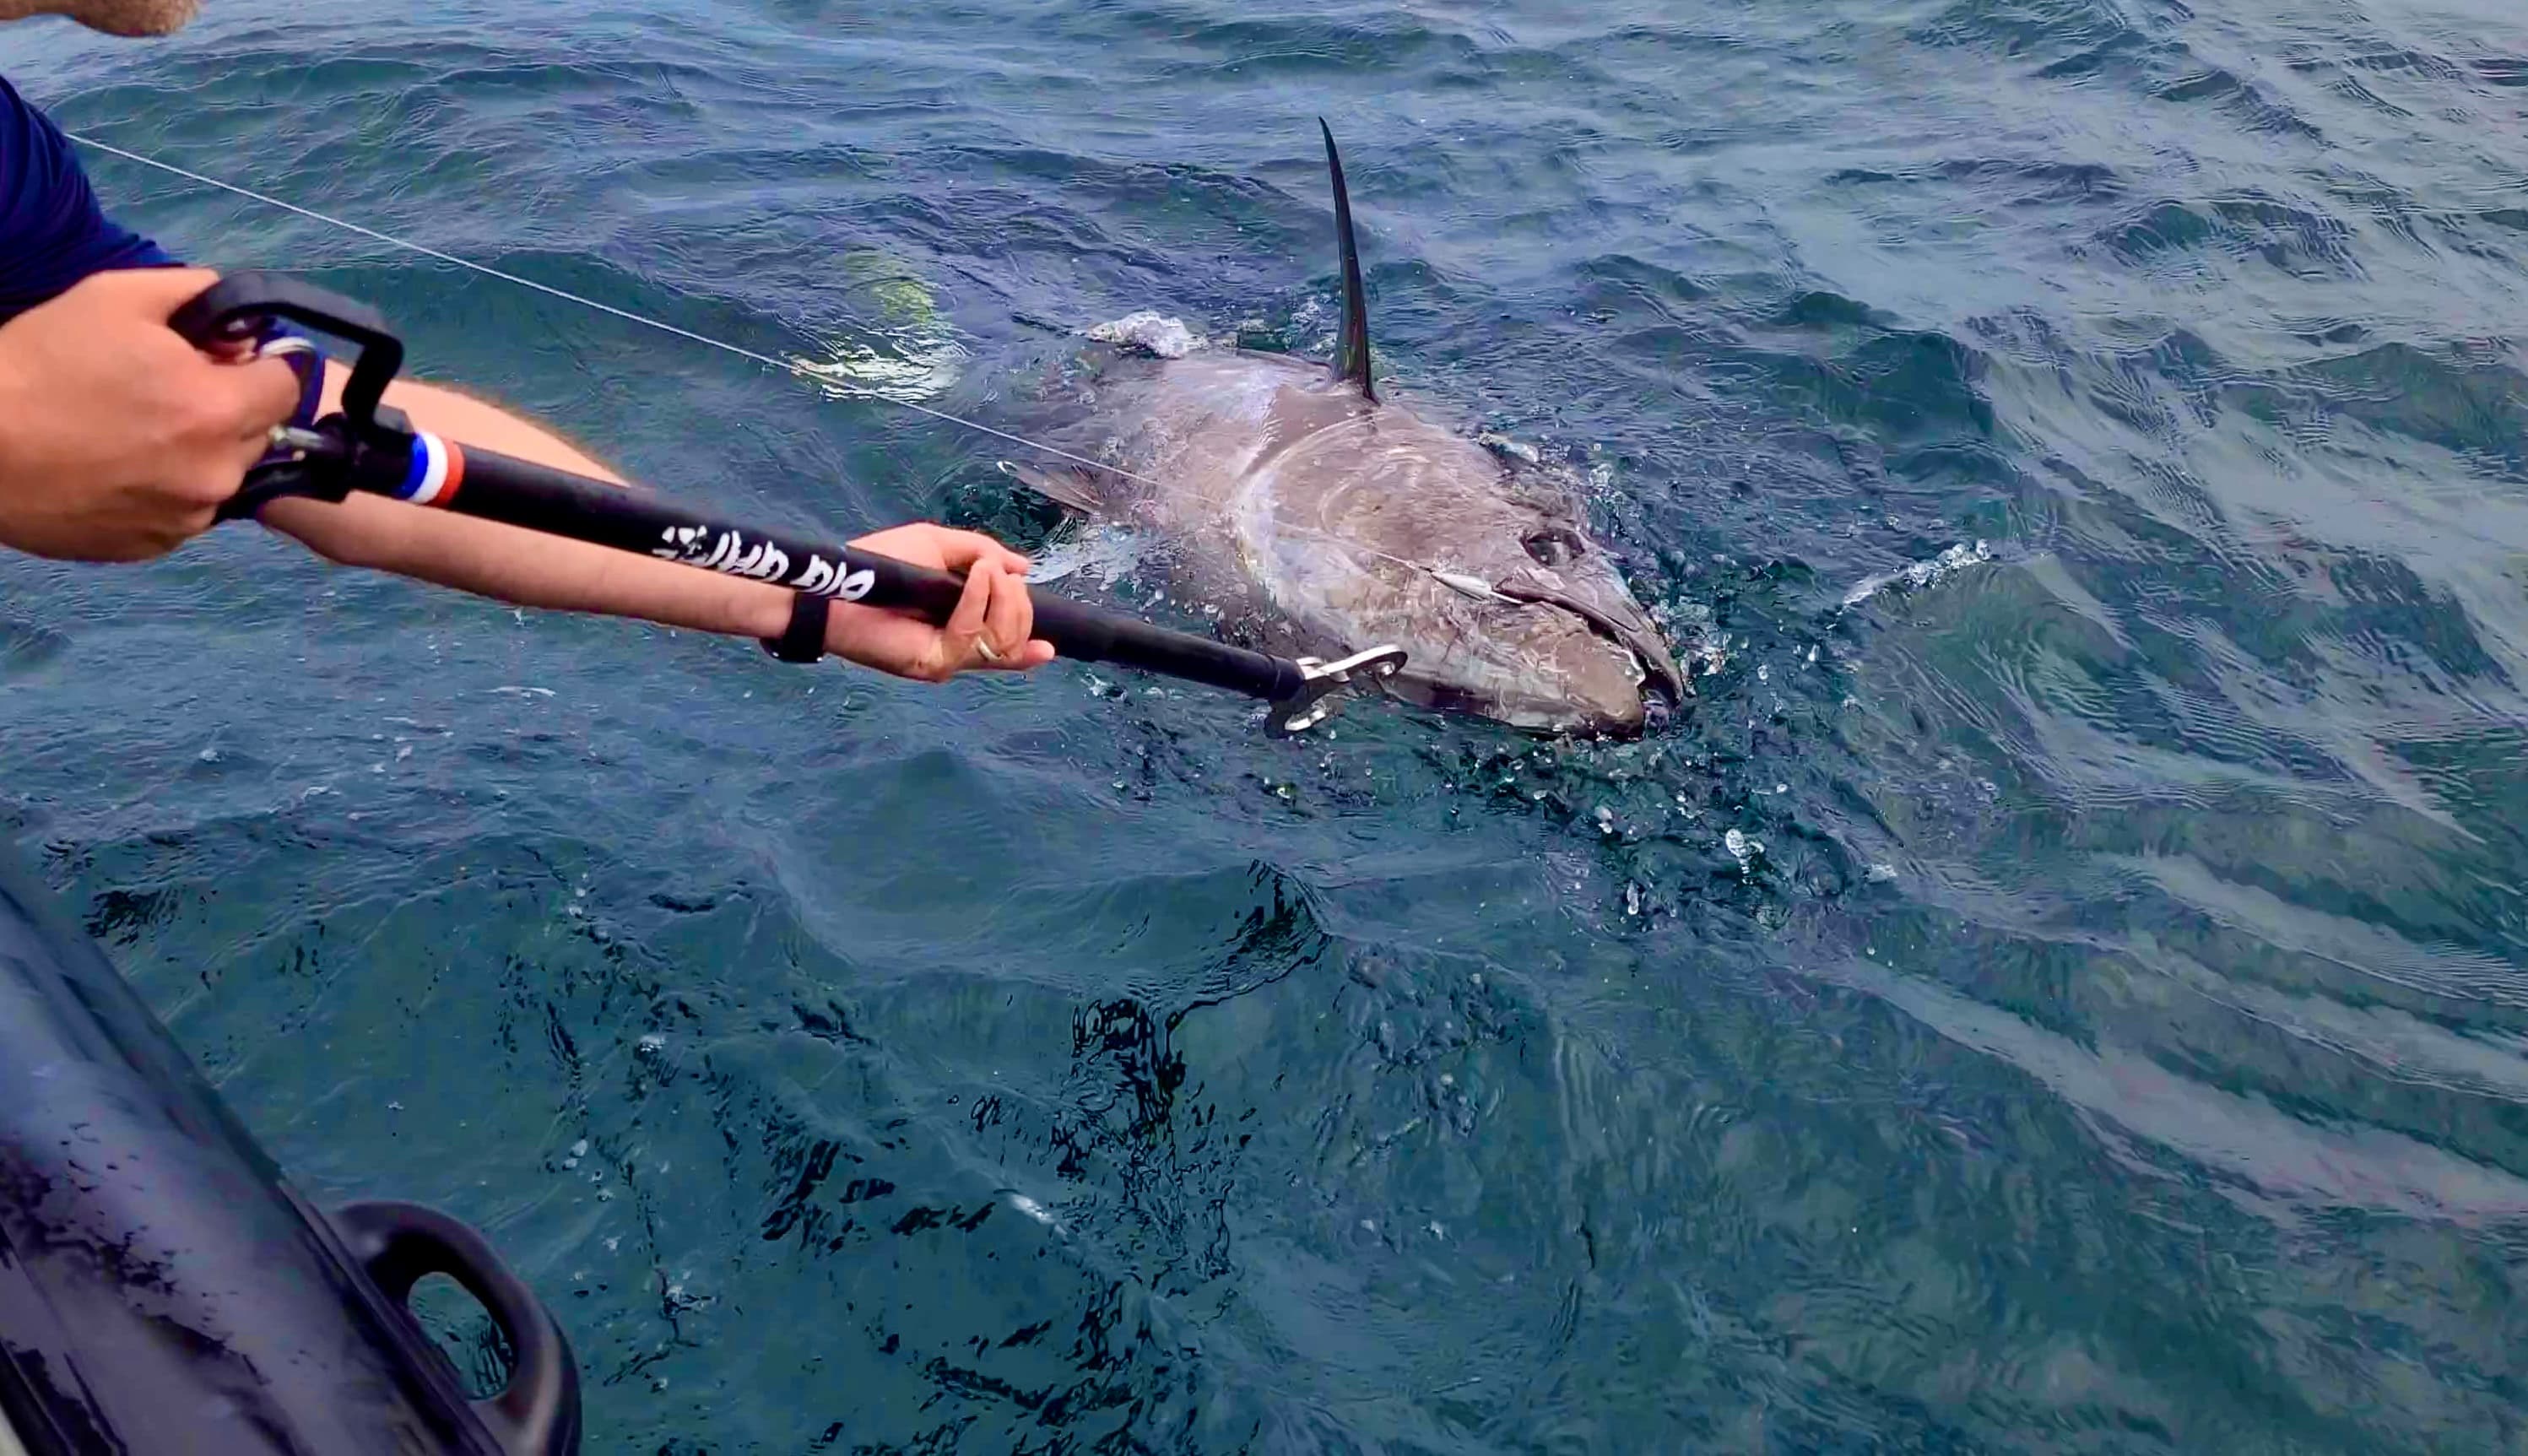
[{"x": 1320, "y": 681}]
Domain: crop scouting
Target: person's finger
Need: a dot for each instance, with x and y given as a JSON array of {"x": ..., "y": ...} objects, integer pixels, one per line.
[
  {"x": 1023, "y": 619},
  {"x": 1003, "y": 631},
  {"x": 959, "y": 549},
  {"x": 264, "y": 392},
  {"x": 237, "y": 459},
  {"x": 164, "y": 290},
  {"x": 965, "y": 626},
  {"x": 158, "y": 293}
]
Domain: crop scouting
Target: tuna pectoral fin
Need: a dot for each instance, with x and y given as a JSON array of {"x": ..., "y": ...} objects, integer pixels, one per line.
[
  {"x": 1072, "y": 486},
  {"x": 1351, "y": 351}
]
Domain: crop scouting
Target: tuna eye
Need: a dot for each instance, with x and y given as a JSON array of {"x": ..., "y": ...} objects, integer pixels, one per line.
[{"x": 1553, "y": 546}]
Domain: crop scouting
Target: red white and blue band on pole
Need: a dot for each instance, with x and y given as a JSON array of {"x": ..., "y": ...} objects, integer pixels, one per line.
[{"x": 438, "y": 468}]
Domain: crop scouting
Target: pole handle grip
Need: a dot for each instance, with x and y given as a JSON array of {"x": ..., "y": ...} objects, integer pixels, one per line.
[{"x": 240, "y": 307}]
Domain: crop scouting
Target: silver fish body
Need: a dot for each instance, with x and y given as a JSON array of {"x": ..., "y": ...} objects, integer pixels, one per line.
[
  {"x": 1291, "y": 498},
  {"x": 1294, "y": 492}
]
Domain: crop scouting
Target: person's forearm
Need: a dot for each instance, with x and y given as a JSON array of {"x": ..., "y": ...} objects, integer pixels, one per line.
[
  {"x": 523, "y": 567},
  {"x": 533, "y": 569},
  {"x": 478, "y": 423},
  {"x": 528, "y": 568}
]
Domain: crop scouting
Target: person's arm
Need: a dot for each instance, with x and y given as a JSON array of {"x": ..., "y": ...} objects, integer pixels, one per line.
[{"x": 531, "y": 569}]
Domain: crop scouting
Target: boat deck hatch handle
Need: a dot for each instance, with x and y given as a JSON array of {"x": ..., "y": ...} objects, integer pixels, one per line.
[{"x": 400, "y": 1244}]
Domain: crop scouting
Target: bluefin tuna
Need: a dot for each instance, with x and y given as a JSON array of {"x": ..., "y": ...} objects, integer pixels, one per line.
[{"x": 1336, "y": 521}]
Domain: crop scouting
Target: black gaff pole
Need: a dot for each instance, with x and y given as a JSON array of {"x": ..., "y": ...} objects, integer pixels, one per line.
[
  {"x": 367, "y": 447},
  {"x": 519, "y": 492}
]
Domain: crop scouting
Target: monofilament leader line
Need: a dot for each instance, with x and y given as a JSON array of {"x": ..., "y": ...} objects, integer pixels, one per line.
[{"x": 626, "y": 315}]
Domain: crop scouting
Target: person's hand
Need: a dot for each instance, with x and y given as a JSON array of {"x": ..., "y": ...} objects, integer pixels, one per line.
[
  {"x": 119, "y": 439},
  {"x": 991, "y": 629}
]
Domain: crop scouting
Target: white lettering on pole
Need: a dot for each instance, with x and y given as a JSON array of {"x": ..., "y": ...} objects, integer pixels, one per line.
[{"x": 763, "y": 561}]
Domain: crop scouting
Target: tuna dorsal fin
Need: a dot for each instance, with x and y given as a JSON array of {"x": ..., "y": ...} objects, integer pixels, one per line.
[{"x": 1351, "y": 353}]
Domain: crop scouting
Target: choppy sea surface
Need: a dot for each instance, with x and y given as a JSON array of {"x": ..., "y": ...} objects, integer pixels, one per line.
[{"x": 2060, "y": 989}]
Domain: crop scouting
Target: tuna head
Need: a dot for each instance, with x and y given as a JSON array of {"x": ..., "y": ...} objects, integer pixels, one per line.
[
  {"x": 1549, "y": 641},
  {"x": 1395, "y": 529}
]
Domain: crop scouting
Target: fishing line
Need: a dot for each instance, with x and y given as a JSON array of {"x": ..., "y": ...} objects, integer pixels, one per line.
[{"x": 785, "y": 366}]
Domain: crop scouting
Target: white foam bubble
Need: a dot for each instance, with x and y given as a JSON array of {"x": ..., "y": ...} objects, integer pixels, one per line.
[
  {"x": 1919, "y": 574},
  {"x": 1105, "y": 552},
  {"x": 907, "y": 366},
  {"x": 1743, "y": 847},
  {"x": 1148, "y": 333}
]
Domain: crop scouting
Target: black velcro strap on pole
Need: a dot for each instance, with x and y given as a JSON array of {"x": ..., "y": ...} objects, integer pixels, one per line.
[{"x": 804, "y": 640}]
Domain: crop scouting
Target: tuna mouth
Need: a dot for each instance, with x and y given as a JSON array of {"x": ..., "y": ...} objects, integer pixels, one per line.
[{"x": 1659, "y": 674}]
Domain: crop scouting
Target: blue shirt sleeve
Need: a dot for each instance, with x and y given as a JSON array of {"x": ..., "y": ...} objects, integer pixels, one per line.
[{"x": 52, "y": 232}]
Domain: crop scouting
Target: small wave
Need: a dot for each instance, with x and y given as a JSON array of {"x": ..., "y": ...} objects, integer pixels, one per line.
[
  {"x": 2260, "y": 1150},
  {"x": 1919, "y": 574}
]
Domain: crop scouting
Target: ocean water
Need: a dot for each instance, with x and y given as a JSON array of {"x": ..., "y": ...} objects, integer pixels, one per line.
[{"x": 2060, "y": 989}]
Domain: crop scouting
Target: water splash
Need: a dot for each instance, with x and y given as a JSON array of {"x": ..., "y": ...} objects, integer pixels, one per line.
[
  {"x": 1148, "y": 333},
  {"x": 910, "y": 368},
  {"x": 1701, "y": 649},
  {"x": 1104, "y": 551},
  {"x": 1919, "y": 574}
]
